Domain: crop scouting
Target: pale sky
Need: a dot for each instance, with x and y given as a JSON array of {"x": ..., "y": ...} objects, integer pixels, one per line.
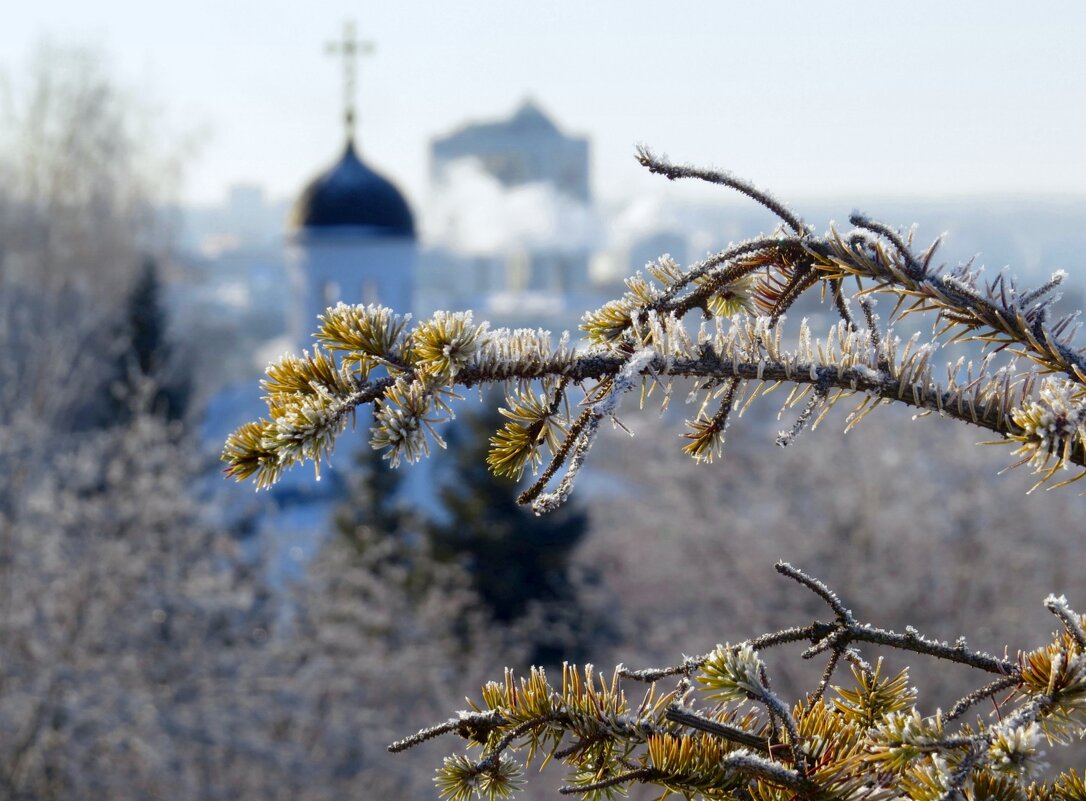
[{"x": 804, "y": 98}]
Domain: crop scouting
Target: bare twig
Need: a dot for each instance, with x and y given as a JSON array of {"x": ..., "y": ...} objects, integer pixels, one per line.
[
  {"x": 1071, "y": 620},
  {"x": 978, "y": 695},
  {"x": 674, "y": 172}
]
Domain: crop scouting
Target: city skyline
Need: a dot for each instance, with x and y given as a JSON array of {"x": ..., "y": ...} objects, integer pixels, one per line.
[{"x": 823, "y": 99}]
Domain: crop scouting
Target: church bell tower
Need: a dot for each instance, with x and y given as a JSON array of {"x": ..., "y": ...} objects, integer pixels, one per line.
[{"x": 352, "y": 234}]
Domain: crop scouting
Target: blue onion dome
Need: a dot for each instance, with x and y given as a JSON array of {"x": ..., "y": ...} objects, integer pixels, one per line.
[{"x": 350, "y": 194}]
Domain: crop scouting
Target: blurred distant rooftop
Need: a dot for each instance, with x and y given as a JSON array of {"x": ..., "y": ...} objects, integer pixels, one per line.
[
  {"x": 528, "y": 147},
  {"x": 351, "y": 194}
]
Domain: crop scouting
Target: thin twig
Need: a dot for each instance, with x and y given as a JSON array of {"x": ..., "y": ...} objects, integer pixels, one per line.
[
  {"x": 778, "y": 708},
  {"x": 827, "y": 676},
  {"x": 695, "y": 720},
  {"x": 1072, "y": 621},
  {"x": 912, "y": 641},
  {"x": 463, "y": 724},
  {"x": 557, "y": 460},
  {"x": 703, "y": 267},
  {"x": 673, "y": 172},
  {"x": 818, "y": 588},
  {"x": 520, "y": 729},
  {"x": 978, "y": 695},
  {"x": 894, "y": 238},
  {"x": 638, "y": 774},
  {"x": 814, "y": 632}
]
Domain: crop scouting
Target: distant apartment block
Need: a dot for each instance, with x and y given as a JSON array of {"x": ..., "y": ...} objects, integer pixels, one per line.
[
  {"x": 526, "y": 148},
  {"x": 527, "y": 283}
]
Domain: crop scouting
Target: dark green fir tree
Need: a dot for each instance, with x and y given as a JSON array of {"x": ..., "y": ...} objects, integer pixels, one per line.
[
  {"x": 381, "y": 530},
  {"x": 374, "y": 505},
  {"x": 149, "y": 358},
  {"x": 140, "y": 372},
  {"x": 520, "y": 563}
]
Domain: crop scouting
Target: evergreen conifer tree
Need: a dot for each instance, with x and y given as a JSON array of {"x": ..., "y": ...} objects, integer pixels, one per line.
[
  {"x": 143, "y": 373},
  {"x": 148, "y": 355},
  {"x": 380, "y": 529},
  {"x": 519, "y": 562},
  {"x": 373, "y": 502}
]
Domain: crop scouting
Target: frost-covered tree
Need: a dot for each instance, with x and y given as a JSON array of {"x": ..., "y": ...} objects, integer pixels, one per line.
[
  {"x": 144, "y": 373},
  {"x": 124, "y": 615},
  {"x": 80, "y": 176},
  {"x": 717, "y": 725},
  {"x": 125, "y": 619},
  {"x": 380, "y": 631}
]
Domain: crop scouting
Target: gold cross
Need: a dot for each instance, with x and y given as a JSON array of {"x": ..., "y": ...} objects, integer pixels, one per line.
[{"x": 350, "y": 48}]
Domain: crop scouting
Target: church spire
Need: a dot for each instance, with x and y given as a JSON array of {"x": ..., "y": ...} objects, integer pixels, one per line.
[{"x": 349, "y": 48}]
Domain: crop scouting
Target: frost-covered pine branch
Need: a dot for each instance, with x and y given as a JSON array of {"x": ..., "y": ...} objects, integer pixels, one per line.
[
  {"x": 733, "y": 737},
  {"x": 1028, "y": 386}
]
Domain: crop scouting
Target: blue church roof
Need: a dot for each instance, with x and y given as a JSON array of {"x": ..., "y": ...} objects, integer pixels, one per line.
[{"x": 351, "y": 194}]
